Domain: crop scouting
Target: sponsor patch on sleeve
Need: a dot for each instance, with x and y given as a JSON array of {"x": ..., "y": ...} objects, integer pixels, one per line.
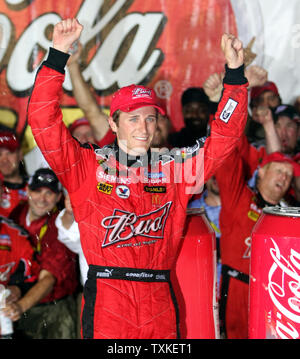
[{"x": 228, "y": 110}]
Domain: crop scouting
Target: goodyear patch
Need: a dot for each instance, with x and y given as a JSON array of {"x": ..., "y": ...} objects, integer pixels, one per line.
[
  {"x": 105, "y": 187},
  {"x": 155, "y": 189}
]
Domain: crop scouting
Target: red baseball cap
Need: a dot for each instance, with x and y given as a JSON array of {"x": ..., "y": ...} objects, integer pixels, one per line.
[
  {"x": 296, "y": 158},
  {"x": 280, "y": 157},
  {"x": 132, "y": 97},
  {"x": 9, "y": 140},
  {"x": 258, "y": 90},
  {"x": 79, "y": 122}
]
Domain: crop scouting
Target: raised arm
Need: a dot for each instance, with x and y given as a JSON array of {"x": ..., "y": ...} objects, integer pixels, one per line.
[
  {"x": 63, "y": 153},
  {"x": 85, "y": 99},
  {"x": 229, "y": 123}
]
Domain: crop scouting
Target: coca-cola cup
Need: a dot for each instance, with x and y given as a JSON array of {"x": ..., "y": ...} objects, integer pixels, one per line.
[
  {"x": 194, "y": 279},
  {"x": 274, "y": 306},
  {"x": 6, "y": 325}
]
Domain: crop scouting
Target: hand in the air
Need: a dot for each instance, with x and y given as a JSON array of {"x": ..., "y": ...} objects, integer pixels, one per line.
[
  {"x": 65, "y": 33},
  {"x": 213, "y": 86},
  {"x": 232, "y": 48}
]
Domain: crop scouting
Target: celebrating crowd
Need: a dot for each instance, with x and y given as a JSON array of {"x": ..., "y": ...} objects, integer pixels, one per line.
[{"x": 84, "y": 251}]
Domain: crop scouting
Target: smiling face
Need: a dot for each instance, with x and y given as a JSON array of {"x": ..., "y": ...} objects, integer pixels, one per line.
[
  {"x": 41, "y": 201},
  {"x": 135, "y": 129},
  {"x": 274, "y": 180},
  {"x": 196, "y": 116}
]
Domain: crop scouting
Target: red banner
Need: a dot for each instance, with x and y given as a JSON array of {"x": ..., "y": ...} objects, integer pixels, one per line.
[{"x": 165, "y": 44}]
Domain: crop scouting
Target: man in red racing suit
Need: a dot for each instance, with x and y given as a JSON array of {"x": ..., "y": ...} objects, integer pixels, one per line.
[{"x": 131, "y": 209}]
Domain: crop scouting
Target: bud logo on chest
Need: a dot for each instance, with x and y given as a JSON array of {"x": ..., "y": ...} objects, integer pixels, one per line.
[{"x": 123, "y": 225}]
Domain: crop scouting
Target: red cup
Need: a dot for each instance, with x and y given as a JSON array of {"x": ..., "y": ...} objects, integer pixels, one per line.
[{"x": 194, "y": 279}]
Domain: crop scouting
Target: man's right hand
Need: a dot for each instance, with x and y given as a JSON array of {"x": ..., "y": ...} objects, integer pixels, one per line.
[
  {"x": 65, "y": 33},
  {"x": 75, "y": 56}
]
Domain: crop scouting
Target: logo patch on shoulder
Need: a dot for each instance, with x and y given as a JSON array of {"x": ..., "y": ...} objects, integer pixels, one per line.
[
  {"x": 105, "y": 187},
  {"x": 228, "y": 110}
]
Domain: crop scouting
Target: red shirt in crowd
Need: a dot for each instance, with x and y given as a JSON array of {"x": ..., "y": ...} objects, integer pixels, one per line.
[
  {"x": 13, "y": 194},
  {"x": 51, "y": 254},
  {"x": 241, "y": 208},
  {"x": 16, "y": 254}
]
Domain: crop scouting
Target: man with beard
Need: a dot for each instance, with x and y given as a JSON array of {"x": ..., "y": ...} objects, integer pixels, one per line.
[{"x": 195, "y": 111}]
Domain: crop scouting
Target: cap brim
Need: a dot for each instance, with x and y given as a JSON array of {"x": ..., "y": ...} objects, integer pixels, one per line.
[
  {"x": 11, "y": 148},
  {"x": 33, "y": 187},
  {"x": 132, "y": 107}
]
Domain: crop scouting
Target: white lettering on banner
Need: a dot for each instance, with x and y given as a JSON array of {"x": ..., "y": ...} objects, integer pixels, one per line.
[
  {"x": 6, "y": 27},
  {"x": 134, "y": 68},
  {"x": 122, "y": 225},
  {"x": 284, "y": 291},
  {"x": 14, "y": 2},
  {"x": 128, "y": 72},
  {"x": 19, "y": 77}
]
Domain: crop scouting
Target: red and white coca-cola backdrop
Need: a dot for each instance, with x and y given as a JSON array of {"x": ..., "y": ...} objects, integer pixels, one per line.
[{"x": 166, "y": 44}]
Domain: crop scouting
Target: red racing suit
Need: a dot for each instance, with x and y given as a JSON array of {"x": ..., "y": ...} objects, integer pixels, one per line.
[
  {"x": 241, "y": 208},
  {"x": 50, "y": 254},
  {"x": 130, "y": 212},
  {"x": 16, "y": 256},
  {"x": 13, "y": 194}
]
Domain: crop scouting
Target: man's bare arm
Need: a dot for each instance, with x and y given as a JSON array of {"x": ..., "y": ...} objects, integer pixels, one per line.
[
  {"x": 42, "y": 288},
  {"x": 85, "y": 99},
  {"x": 265, "y": 118}
]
